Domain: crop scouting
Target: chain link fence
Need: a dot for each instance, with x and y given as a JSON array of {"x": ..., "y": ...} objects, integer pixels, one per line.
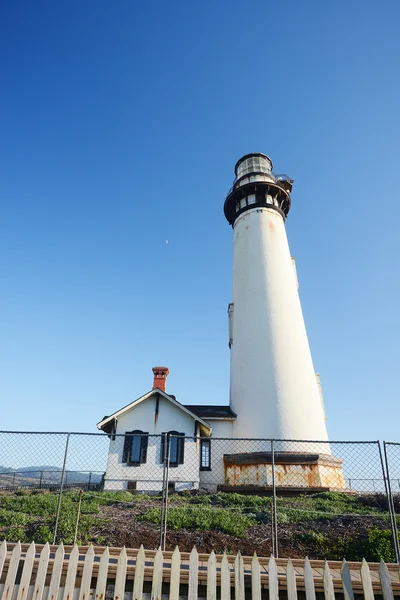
[{"x": 326, "y": 499}]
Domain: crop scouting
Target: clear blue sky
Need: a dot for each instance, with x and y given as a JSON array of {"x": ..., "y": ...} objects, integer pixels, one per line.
[{"x": 120, "y": 126}]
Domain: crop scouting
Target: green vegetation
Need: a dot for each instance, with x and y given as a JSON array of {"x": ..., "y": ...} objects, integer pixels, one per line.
[
  {"x": 375, "y": 546},
  {"x": 28, "y": 516},
  {"x": 327, "y": 525},
  {"x": 203, "y": 518}
]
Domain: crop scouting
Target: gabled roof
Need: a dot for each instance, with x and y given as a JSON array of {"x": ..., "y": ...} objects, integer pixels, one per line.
[
  {"x": 105, "y": 423},
  {"x": 211, "y": 411}
]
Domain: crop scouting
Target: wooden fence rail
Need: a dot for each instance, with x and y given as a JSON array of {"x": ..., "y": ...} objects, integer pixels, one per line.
[{"x": 44, "y": 572}]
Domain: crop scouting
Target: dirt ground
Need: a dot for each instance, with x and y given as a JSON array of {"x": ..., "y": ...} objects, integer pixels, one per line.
[{"x": 124, "y": 528}]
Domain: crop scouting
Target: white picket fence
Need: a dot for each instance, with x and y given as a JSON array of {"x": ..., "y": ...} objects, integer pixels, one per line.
[{"x": 68, "y": 573}]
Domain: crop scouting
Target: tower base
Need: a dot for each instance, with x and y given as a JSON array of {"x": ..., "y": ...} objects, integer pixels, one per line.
[{"x": 295, "y": 471}]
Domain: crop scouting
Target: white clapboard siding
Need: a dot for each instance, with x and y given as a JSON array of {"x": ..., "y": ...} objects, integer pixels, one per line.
[{"x": 25, "y": 570}]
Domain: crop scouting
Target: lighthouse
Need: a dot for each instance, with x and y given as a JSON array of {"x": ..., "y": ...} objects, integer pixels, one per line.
[{"x": 273, "y": 386}]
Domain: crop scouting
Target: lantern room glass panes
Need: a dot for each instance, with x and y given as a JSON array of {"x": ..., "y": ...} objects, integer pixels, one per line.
[{"x": 254, "y": 164}]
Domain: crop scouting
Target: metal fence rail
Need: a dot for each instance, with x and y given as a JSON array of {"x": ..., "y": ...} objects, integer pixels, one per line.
[{"x": 180, "y": 473}]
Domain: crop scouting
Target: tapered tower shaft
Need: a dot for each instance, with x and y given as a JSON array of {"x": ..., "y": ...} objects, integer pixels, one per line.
[{"x": 273, "y": 387}]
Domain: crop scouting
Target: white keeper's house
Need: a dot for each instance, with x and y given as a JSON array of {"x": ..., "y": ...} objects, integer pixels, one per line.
[
  {"x": 274, "y": 391},
  {"x": 139, "y": 439}
]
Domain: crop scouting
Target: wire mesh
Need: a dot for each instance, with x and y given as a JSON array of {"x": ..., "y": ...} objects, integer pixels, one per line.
[
  {"x": 246, "y": 494},
  {"x": 31, "y": 460},
  {"x": 392, "y": 462},
  {"x": 308, "y": 490}
]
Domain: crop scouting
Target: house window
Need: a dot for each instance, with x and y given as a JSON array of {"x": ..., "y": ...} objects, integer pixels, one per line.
[
  {"x": 176, "y": 447},
  {"x": 135, "y": 447},
  {"x": 205, "y": 455}
]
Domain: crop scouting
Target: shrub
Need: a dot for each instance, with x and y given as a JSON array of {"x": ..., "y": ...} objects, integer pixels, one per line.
[
  {"x": 42, "y": 534},
  {"x": 15, "y": 534}
]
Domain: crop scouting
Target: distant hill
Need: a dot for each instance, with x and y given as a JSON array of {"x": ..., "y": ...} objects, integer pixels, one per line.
[{"x": 46, "y": 473}]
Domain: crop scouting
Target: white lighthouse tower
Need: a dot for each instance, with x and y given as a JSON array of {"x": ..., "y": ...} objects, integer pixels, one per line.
[{"x": 273, "y": 386}]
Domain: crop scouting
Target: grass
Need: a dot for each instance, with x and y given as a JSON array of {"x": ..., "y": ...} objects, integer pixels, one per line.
[
  {"x": 203, "y": 518},
  {"x": 28, "y": 516}
]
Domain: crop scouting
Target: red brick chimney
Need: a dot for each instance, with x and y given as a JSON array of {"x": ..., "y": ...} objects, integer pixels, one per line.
[{"x": 160, "y": 378}]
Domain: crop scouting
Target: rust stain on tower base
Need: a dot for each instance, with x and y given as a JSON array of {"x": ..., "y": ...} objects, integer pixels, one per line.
[{"x": 292, "y": 470}]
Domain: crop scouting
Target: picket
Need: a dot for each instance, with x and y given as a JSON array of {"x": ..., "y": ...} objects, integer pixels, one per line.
[
  {"x": 255, "y": 578},
  {"x": 101, "y": 583},
  {"x": 225, "y": 578},
  {"x": 175, "y": 575},
  {"x": 56, "y": 574},
  {"x": 239, "y": 577},
  {"x": 385, "y": 581},
  {"x": 87, "y": 574},
  {"x": 193, "y": 574},
  {"x": 40, "y": 580},
  {"x": 212, "y": 577},
  {"x": 273, "y": 579},
  {"x": 157, "y": 576},
  {"x": 291, "y": 581},
  {"x": 71, "y": 574},
  {"x": 22, "y": 564},
  {"x": 139, "y": 574},
  {"x": 309, "y": 580},
  {"x": 3, "y": 554},
  {"x": 26, "y": 573},
  {"x": 366, "y": 581},
  {"x": 346, "y": 581},
  {"x": 12, "y": 572},
  {"x": 119, "y": 588},
  {"x": 328, "y": 583}
]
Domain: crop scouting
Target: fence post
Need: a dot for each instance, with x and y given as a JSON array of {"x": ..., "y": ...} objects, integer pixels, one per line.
[
  {"x": 389, "y": 497},
  {"x": 275, "y": 523},
  {"x": 61, "y": 489},
  {"x": 41, "y": 480},
  {"x": 78, "y": 514},
  {"x": 90, "y": 480},
  {"x": 166, "y": 489},
  {"x": 164, "y": 458}
]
